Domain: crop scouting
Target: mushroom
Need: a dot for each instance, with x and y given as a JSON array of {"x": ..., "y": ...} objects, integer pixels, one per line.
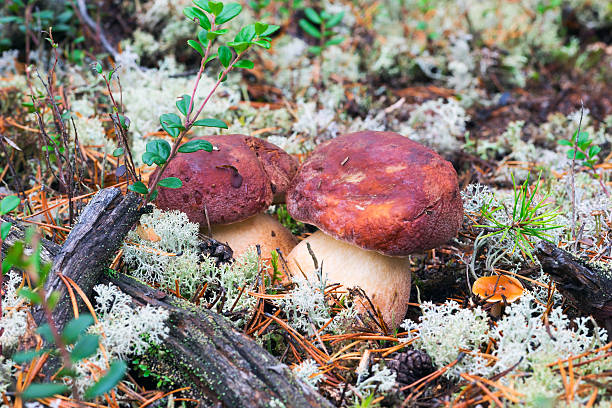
[
  {"x": 498, "y": 289},
  {"x": 229, "y": 188},
  {"x": 376, "y": 198}
]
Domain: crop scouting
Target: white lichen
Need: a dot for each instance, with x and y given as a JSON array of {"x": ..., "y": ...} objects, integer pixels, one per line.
[{"x": 14, "y": 316}]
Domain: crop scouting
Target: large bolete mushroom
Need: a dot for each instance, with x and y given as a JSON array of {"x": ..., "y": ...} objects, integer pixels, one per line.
[
  {"x": 376, "y": 197},
  {"x": 230, "y": 188}
]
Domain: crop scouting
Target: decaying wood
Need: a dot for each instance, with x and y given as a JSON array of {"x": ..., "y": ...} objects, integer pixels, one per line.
[
  {"x": 203, "y": 351},
  {"x": 221, "y": 364},
  {"x": 587, "y": 287},
  {"x": 90, "y": 246}
]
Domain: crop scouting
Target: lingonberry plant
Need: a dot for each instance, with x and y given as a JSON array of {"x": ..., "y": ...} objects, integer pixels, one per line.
[
  {"x": 210, "y": 16},
  {"x": 72, "y": 345}
]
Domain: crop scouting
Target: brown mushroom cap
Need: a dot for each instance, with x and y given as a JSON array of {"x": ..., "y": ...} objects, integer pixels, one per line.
[
  {"x": 497, "y": 287},
  {"x": 380, "y": 191},
  {"x": 278, "y": 165},
  {"x": 231, "y": 183}
]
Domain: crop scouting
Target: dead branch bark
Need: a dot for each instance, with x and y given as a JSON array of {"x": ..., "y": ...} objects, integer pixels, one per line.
[
  {"x": 587, "y": 287},
  {"x": 219, "y": 363},
  {"x": 91, "y": 244}
]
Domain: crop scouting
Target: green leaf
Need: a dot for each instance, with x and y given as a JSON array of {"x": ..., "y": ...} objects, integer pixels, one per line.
[
  {"x": 246, "y": 34},
  {"x": 202, "y": 37},
  {"x": 230, "y": 11},
  {"x": 271, "y": 30},
  {"x": 334, "y": 41},
  {"x": 196, "y": 46},
  {"x": 109, "y": 381},
  {"x": 118, "y": 152},
  {"x": 582, "y": 137},
  {"x": 98, "y": 68},
  {"x": 203, "y": 4},
  {"x": 263, "y": 43},
  {"x": 594, "y": 150},
  {"x": 124, "y": 121},
  {"x": 36, "y": 391},
  {"x": 8, "y": 204},
  {"x": 158, "y": 151},
  {"x": 170, "y": 182},
  {"x": 260, "y": 28},
  {"x": 225, "y": 56},
  {"x": 197, "y": 15},
  {"x": 313, "y": 16},
  {"x": 195, "y": 145},
  {"x": 239, "y": 46},
  {"x": 171, "y": 123},
  {"x": 154, "y": 195},
  {"x": 309, "y": 28},
  {"x": 75, "y": 327},
  {"x": 315, "y": 49},
  {"x": 53, "y": 298},
  {"x": 214, "y": 34},
  {"x": 138, "y": 187},
  {"x": 246, "y": 64},
  {"x": 30, "y": 295},
  {"x": 210, "y": 122},
  {"x": 334, "y": 20},
  {"x": 579, "y": 155},
  {"x": 85, "y": 347},
  {"x": 216, "y": 7},
  {"x": 45, "y": 332},
  {"x": 182, "y": 104},
  {"x": 5, "y": 227},
  {"x": 565, "y": 142},
  {"x": 27, "y": 356}
]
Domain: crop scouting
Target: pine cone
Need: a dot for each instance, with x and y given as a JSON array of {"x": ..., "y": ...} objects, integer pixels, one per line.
[{"x": 410, "y": 366}]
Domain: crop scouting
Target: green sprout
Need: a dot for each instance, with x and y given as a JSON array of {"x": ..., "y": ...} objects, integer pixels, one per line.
[
  {"x": 318, "y": 25},
  {"x": 529, "y": 218},
  {"x": 584, "y": 150}
]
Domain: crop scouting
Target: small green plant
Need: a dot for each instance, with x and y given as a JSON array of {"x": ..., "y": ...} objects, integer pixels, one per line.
[
  {"x": 72, "y": 344},
  {"x": 288, "y": 221},
  {"x": 584, "y": 149},
  {"x": 319, "y": 25},
  {"x": 259, "y": 5},
  {"x": 210, "y": 16},
  {"x": 25, "y": 18},
  {"x": 529, "y": 218}
]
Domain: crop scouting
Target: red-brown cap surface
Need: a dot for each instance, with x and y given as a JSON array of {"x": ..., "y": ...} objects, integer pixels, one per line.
[
  {"x": 380, "y": 191},
  {"x": 278, "y": 165},
  {"x": 231, "y": 183}
]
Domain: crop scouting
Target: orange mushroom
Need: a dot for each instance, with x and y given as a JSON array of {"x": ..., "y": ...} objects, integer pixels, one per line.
[{"x": 498, "y": 288}]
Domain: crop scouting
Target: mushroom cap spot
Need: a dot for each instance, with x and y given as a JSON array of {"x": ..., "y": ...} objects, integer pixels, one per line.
[
  {"x": 278, "y": 165},
  {"x": 493, "y": 287},
  {"x": 230, "y": 183},
  {"x": 380, "y": 191}
]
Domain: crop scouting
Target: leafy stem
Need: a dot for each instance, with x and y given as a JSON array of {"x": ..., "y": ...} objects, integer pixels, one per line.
[{"x": 189, "y": 123}]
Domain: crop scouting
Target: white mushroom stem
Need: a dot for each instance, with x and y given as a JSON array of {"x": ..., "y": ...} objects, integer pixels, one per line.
[
  {"x": 385, "y": 279},
  {"x": 261, "y": 229}
]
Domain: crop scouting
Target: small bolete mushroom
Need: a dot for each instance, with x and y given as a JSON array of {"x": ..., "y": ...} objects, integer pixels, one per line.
[
  {"x": 498, "y": 289},
  {"x": 377, "y": 197},
  {"x": 230, "y": 187}
]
